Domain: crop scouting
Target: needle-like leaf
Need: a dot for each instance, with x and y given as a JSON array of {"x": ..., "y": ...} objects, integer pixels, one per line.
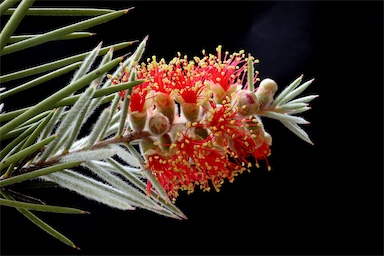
[
  {"x": 25, "y": 152},
  {"x": 63, "y": 11},
  {"x": 14, "y": 22},
  {"x": 287, "y": 90},
  {"x": 58, "y": 64},
  {"x": 38, "y": 173},
  {"x": 6, "y": 4},
  {"x": 40, "y": 207},
  {"x": 293, "y": 127},
  {"x": 55, "y": 34},
  {"x": 41, "y": 224},
  {"x": 39, "y": 80},
  {"x": 74, "y": 35},
  {"x": 90, "y": 188},
  {"x": 51, "y": 100}
]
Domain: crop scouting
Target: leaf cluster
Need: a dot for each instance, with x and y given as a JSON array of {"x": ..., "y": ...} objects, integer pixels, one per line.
[{"x": 45, "y": 142}]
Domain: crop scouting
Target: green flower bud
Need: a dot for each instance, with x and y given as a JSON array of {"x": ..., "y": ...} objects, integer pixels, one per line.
[
  {"x": 147, "y": 146},
  {"x": 191, "y": 111},
  {"x": 138, "y": 120},
  {"x": 158, "y": 124},
  {"x": 166, "y": 105},
  {"x": 265, "y": 92}
]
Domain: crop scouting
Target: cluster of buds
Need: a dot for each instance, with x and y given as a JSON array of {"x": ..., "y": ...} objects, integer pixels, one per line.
[{"x": 203, "y": 117}]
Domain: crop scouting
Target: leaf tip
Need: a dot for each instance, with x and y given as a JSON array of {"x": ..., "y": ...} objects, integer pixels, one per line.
[
  {"x": 129, "y": 9},
  {"x": 133, "y": 42}
]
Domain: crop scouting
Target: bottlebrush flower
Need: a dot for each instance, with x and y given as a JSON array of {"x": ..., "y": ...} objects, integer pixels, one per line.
[{"x": 205, "y": 118}]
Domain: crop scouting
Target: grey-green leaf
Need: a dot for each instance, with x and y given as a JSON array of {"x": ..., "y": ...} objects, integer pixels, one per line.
[
  {"x": 41, "y": 224},
  {"x": 40, "y": 207},
  {"x": 37, "y": 173},
  {"x": 57, "y": 33}
]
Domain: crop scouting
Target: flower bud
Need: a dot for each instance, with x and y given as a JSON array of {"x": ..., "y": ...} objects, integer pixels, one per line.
[
  {"x": 147, "y": 146},
  {"x": 265, "y": 92},
  {"x": 165, "y": 142},
  {"x": 158, "y": 124},
  {"x": 268, "y": 138},
  {"x": 219, "y": 94},
  {"x": 191, "y": 111},
  {"x": 201, "y": 132},
  {"x": 166, "y": 105},
  {"x": 257, "y": 132},
  {"x": 138, "y": 120},
  {"x": 247, "y": 102}
]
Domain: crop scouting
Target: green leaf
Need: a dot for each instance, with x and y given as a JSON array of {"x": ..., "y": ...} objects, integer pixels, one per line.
[
  {"x": 73, "y": 99},
  {"x": 100, "y": 92},
  {"x": 299, "y": 132},
  {"x": 31, "y": 139},
  {"x": 25, "y": 152},
  {"x": 66, "y": 126},
  {"x": 51, "y": 100},
  {"x": 285, "y": 117},
  {"x": 98, "y": 128},
  {"x": 133, "y": 195},
  {"x": 39, "y": 80},
  {"x": 63, "y": 11},
  {"x": 57, "y": 64},
  {"x": 55, "y": 34},
  {"x": 15, "y": 132},
  {"x": 250, "y": 72},
  {"x": 295, "y": 92},
  {"x": 51, "y": 124},
  {"x": 156, "y": 184},
  {"x": 74, "y": 35},
  {"x": 40, "y": 207},
  {"x": 90, "y": 188},
  {"x": 14, "y": 142},
  {"x": 41, "y": 224},
  {"x": 125, "y": 155},
  {"x": 6, "y": 4},
  {"x": 80, "y": 120},
  {"x": 87, "y": 63},
  {"x": 287, "y": 90},
  {"x": 14, "y": 22},
  {"x": 36, "y": 118},
  {"x": 141, "y": 185},
  {"x": 305, "y": 99},
  {"x": 38, "y": 173},
  {"x": 88, "y": 155}
]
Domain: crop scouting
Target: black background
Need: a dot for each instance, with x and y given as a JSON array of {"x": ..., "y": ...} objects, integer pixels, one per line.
[{"x": 325, "y": 198}]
